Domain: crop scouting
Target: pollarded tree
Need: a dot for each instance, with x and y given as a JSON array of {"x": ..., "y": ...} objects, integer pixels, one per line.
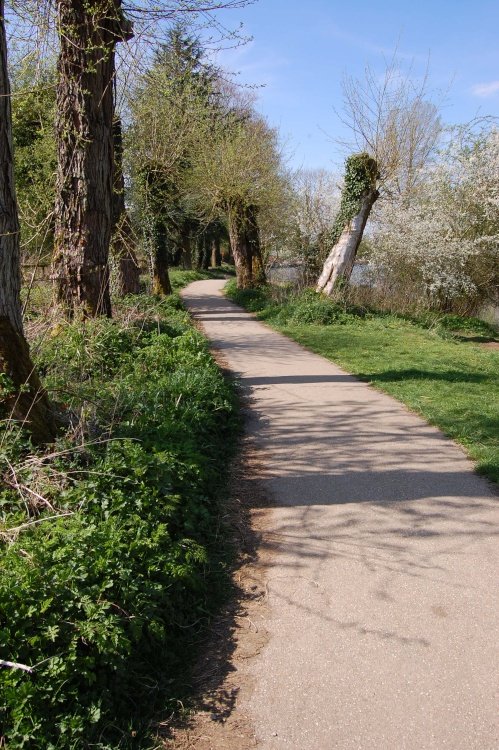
[
  {"x": 394, "y": 129},
  {"x": 22, "y": 396},
  {"x": 169, "y": 105},
  {"x": 237, "y": 172}
]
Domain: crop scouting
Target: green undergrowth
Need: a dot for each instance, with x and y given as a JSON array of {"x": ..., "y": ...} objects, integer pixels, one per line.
[
  {"x": 113, "y": 553},
  {"x": 438, "y": 365}
]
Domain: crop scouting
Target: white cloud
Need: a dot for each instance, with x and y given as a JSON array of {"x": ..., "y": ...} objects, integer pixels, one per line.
[{"x": 485, "y": 89}]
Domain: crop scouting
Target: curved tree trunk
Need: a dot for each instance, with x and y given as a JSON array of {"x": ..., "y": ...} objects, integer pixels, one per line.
[
  {"x": 21, "y": 395},
  {"x": 339, "y": 263},
  {"x": 126, "y": 269},
  {"x": 83, "y": 211}
]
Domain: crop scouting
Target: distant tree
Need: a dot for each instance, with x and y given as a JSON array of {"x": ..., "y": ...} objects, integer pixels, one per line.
[
  {"x": 394, "y": 130},
  {"x": 22, "y": 396},
  {"x": 169, "y": 106},
  {"x": 314, "y": 208},
  {"x": 125, "y": 263},
  {"x": 237, "y": 172}
]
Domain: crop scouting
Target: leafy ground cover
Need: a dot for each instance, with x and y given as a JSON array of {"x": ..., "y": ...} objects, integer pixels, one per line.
[
  {"x": 438, "y": 365},
  {"x": 113, "y": 555}
]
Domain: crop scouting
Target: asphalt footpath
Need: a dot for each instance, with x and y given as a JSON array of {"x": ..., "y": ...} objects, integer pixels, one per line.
[{"x": 383, "y": 587}]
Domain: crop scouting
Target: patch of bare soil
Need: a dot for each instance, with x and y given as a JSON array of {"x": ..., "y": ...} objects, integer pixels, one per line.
[
  {"x": 221, "y": 679},
  {"x": 491, "y": 345}
]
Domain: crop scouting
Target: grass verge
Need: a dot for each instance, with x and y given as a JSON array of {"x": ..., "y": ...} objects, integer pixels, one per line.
[
  {"x": 113, "y": 554},
  {"x": 438, "y": 366}
]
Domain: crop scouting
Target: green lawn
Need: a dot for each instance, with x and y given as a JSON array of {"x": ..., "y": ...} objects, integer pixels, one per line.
[{"x": 452, "y": 382}]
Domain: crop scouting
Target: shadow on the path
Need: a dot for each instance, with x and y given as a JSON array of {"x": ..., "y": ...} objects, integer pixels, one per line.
[{"x": 357, "y": 486}]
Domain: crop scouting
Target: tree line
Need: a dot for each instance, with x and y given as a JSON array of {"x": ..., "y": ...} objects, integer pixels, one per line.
[{"x": 176, "y": 167}]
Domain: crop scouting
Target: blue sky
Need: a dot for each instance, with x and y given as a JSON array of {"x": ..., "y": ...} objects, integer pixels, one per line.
[{"x": 300, "y": 52}]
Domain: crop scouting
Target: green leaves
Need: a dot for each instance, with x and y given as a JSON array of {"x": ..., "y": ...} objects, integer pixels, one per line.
[{"x": 106, "y": 603}]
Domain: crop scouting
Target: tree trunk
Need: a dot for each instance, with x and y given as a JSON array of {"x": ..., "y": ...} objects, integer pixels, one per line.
[
  {"x": 22, "y": 396},
  {"x": 339, "y": 263},
  {"x": 240, "y": 247},
  {"x": 216, "y": 255},
  {"x": 253, "y": 239},
  {"x": 185, "y": 239},
  {"x": 160, "y": 277},
  {"x": 125, "y": 264},
  {"x": 83, "y": 210},
  {"x": 206, "y": 252}
]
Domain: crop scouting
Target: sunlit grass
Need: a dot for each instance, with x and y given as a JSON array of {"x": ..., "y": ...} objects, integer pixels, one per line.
[{"x": 453, "y": 383}]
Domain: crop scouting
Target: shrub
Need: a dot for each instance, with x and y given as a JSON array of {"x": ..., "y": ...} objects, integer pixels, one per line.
[{"x": 106, "y": 601}]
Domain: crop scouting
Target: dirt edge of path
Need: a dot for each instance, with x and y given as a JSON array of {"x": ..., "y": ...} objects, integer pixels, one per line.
[{"x": 220, "y": 679}]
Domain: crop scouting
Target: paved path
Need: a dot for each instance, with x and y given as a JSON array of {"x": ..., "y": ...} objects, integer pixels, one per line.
[{"x": 384, "y": 586}]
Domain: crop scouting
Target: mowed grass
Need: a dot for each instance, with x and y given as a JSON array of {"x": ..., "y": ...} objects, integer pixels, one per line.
[{"x": 452, "y": 382}]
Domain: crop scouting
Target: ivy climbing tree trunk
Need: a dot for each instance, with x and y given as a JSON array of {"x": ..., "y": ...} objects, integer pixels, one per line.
[
  {"x": 88, "y": 35},
  {"x": 340, "y": 261},
  {"x": 253, "y": 239},
  {"x": 161, "y": 285},
  {"x": 21, "y": 394},
  {"x": 358, "y": 197},
  {"x": 125, "y": 264},
  {"x": 245, "y": 243}
]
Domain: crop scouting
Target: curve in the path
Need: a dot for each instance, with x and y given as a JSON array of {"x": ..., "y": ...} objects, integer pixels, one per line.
[{"x": 384, "y": 586}]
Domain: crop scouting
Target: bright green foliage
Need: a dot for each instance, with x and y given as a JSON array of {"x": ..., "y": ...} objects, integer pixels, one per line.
[
  {"x": 437, "y": 365},
  {"x": 107, "y": 603},
  {"x": 361, "y": 172},
  {"x": 170, "y": 102}
]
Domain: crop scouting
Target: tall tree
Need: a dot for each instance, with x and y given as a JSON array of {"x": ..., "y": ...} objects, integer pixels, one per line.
[
  {"x": 394, "y": 130},
  {"x": 22, "y": 396},
  {"x": 236, "y": 174},
  {"x": 168, "y": 106},
  {"x": 88, "y": 33}
]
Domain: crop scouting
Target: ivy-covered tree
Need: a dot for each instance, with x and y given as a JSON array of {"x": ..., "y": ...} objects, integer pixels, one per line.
[
  {"x": 394, "y": 129},
  {"x": 236, "y": 175},
  {"x": 358, "y": 197},
  {"x": 169, "y": 106},
  {"x": 35, "y": 161},
  {"x": 21, "y": 394}
]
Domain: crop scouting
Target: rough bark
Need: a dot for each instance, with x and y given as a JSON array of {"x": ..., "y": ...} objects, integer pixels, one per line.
[
  {"x": 125, "y": 264},
  {"x": 83, "y": 211},
  {"x": 339, "y": 263},
  {"x": 242, "y": 249},
  {"x": 23, "y": 397}
]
